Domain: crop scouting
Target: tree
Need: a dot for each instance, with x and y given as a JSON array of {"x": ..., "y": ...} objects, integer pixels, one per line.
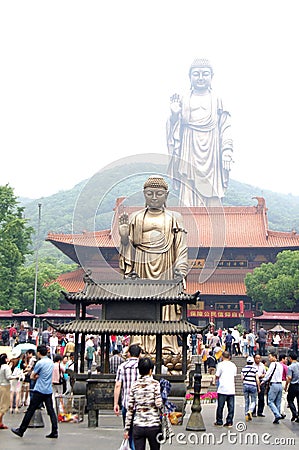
[
  {"x": 276, "y": 285},
  {"x": 48, "y": 292},
  {"x": 15, "y": 239}
]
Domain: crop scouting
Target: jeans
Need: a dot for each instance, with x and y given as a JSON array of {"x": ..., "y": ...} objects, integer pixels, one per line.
[
  {"x": 230, "y": 401},
  {"x": 36, "y": 400},
  {"x": 141, "y": 434},
  {"x": 250, "y": 394},
  {"x": 89, "y": 364},
  {"x": 274, "y": 398},
  {"x": 251, "y": 350},
  {"x": 131, "y": 441},
  {"x": 293, "y": 393},
  {"x": 228, "y": 347}
]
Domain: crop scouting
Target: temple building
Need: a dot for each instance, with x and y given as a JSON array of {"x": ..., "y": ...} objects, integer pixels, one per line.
[{"x": 224, "y": 244}]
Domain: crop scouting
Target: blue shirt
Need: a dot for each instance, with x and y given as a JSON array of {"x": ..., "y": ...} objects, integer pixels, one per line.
[
  {"x": 44, "y": 368},
  {"x": 293, "y": 372}
]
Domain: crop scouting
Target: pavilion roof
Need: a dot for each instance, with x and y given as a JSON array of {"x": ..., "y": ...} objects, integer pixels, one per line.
[
  {"x": 148, "y": 327},
  {"x": 165, "y": 291},
  {"x": 222, "y": 281}
]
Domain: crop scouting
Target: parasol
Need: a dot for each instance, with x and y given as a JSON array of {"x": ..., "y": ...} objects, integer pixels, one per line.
[
  {"x": 279, "y": 329},
  {"x": 26, "y": 346}
]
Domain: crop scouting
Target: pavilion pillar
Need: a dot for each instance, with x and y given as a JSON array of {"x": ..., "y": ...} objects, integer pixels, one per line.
[
  {"x": 77, "y": 339},
  {"x": 184, "y": 354},
  {"x": 103, "y": 336},
  {"x": 158, "y": 353},
  {"x": 107, "y": 352},
  {"x": 82, "y": 354}
]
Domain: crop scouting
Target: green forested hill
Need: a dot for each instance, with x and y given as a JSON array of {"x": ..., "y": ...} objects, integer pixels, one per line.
[{"x": 93, "y": 203}]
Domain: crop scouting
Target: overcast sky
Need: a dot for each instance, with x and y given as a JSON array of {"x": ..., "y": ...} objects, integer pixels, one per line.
[{"x": 86, "y": 83}]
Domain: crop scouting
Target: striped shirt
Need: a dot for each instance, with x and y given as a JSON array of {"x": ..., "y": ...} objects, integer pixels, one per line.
[
  {"x": 114, "y": 362},
  {"x": 145, "y": 399},
  {"x": 127, "y": 373},
  {"x": 248, "y": 374}
]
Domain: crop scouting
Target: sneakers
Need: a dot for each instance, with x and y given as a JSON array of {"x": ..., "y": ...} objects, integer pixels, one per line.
[
  {"x": 228, "y": 425},
  {"x": 216, "y": 424},
  {"x": 283, "y": 416},
  {"x": 248, "y": 416},
  {"x": 261, "y": 415},
  {"x": 17, "y": 432},
  {"x": 276, "y": 421}
]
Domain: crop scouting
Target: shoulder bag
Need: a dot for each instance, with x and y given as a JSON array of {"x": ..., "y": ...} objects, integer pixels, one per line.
[{"x": 268, "y": 382}]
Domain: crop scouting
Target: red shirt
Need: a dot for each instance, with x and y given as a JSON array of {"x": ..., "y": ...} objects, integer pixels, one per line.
[
  {"x": 12, "y": 330},
  {"x": 284, "y": 371}
]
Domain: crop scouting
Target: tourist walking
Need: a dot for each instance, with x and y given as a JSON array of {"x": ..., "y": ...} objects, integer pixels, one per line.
[
  {"x": 251, "y": 386},
  {"x": 225, "y": 375},
  {"x": 89, "y": 352},
  {"x": 261, "y": 340},
  {"x": 17, "y": 378},
  {"x": 228, "y": 340},
  {"x": 251, "y": 342},
  {"x": 5, "y": 377},
  {"x": 42, "y": 392},
  {"x": 13, "y": 334},
  {"x": 57, "y": 376},
  {"x": 292, "y": 386},
  {"x": 283, "y": 406},
  {"x": 127, "y": 373},
  {"x": 144, "y": 406},
  {"x": 274, "y": 376},
  {"x": 236, "y": 343},
  {"x": 244, "y": 343},
  {"x": 261, "y": 370},
  {"x": 115, "y": 360}
]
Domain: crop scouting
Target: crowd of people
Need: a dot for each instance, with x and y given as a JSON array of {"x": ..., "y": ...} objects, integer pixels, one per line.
[
  {"x": 35, "y": 378},
  {"x": 275, "y": 383}
]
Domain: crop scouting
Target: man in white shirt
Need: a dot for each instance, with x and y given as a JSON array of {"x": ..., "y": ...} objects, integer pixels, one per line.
[
  {"x": 236, "y": 343},
  {"x": 274, "y": 374},
  {"x": 225, "y": 376}
]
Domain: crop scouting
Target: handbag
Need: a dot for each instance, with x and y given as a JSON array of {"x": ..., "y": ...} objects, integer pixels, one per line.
[
  {"x": 166, "y": 425},
  {"x": 125, "y": 445}
]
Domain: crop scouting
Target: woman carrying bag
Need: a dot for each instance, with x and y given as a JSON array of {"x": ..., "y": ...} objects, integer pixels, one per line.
[{"x": 144, "y": 407}]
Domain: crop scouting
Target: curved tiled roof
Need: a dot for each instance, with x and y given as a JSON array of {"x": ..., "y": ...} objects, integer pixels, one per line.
[
  {"x": 230, "y": 282},
  {"x": 219, "y": 283},
  {"x": 230, "y": 226},
  {"x": 170, "y": 291},
  {"x": 149, "y": 327}
]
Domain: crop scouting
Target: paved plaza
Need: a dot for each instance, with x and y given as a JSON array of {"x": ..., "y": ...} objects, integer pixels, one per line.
[{"x": 259, "y": 434}]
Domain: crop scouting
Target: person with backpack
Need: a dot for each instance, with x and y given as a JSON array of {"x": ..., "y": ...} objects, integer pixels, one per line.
[{"x": 251, "y": 386}]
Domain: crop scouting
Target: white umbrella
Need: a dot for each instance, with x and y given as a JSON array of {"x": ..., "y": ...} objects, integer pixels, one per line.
[
  {"x": 26, "y": 346},
  {"x": 279, "y": 329}
]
